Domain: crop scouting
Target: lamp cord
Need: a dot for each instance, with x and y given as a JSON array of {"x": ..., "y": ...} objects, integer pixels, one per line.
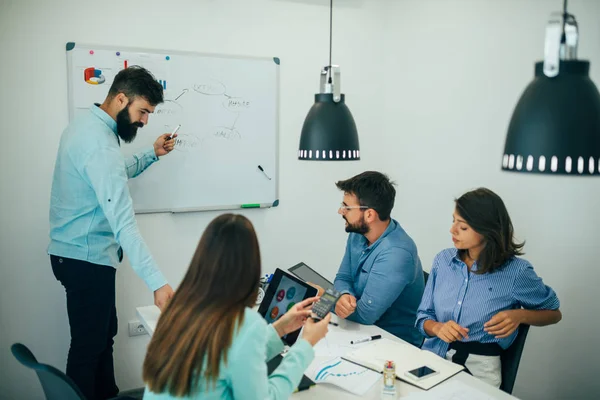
[
  {"x": 563, "y": 38},
  {"x": 331, "y": 34}
]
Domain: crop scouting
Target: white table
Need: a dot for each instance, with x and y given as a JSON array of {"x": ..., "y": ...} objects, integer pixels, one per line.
[{"x": 149, "y": 317}]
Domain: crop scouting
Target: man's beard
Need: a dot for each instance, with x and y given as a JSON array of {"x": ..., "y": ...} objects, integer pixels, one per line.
[
  {"x": 360, "y": 227},
  {"x": 125, "y": 128}
]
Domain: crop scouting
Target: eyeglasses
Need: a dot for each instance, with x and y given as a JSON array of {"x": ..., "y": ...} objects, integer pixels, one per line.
[{"x": 348, "y": 208}]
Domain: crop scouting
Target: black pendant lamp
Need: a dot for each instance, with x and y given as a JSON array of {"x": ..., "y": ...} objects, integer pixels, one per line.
[
  {"x": 555, "y": 128},
  {"x": 329, "y": 132}
]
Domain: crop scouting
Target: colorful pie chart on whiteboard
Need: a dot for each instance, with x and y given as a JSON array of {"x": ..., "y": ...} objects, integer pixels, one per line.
[{"x": 93, "y": 76}]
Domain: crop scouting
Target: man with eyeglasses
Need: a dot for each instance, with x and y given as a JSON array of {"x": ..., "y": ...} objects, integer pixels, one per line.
[{"x": 381, "y": 277}]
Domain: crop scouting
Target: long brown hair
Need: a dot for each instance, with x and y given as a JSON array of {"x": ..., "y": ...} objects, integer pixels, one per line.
[
  {"x": 196, "y": 329},
  {"x": 485, "y": 212}
]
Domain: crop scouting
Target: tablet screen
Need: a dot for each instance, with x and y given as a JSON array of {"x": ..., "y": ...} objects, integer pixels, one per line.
[
  {"x": 307, "y": 274},
  {"x": 287, "y": 294}
]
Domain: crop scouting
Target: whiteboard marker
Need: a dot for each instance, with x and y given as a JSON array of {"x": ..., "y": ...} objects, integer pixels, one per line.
[
  {"x": 175, "y": 131},
  {"x": 263, "y": 171},
  {"x": 367, "y": 339}
]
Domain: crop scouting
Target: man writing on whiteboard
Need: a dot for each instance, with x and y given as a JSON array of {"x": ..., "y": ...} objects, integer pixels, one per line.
[{"x": 92, "y": 223}]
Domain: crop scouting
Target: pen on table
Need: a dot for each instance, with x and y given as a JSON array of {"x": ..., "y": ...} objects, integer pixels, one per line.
[
  {"x": 174, "y": 131},
  {"x": 367, "y": 339},
  {"x": 334, "y": 323},
  {"x": 263, "y": 171}
]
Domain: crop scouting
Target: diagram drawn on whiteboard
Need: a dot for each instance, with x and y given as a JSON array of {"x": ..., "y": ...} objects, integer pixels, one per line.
[{"x": 234, "y": 104}]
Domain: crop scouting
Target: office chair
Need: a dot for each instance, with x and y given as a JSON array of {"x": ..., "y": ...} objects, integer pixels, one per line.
[
  {"x": 510, "y": 359},
  {"x": 425, "y": 277},
  {"x": 56, "y": 385}
]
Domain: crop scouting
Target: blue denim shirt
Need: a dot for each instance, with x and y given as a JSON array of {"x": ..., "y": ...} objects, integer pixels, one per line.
[
  {"x": 386, "y": 278},
  {"x": 91, "y": 212},
  {"x": 455, "y": 293}
]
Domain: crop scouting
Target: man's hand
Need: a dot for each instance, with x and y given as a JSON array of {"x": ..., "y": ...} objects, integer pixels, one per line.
[
  {"x": 295, "y": 318},
  {"x": 345, "y": 305},
  {"x": 504, "y": 323},
  {"x": 164, "y": 145},
  {"x": 450, "y": 331},
  {"x": 162, "y": 296}
]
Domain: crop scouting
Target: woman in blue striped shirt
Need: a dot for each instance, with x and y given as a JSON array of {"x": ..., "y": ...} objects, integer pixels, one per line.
[{"x": 479, "y": 292}]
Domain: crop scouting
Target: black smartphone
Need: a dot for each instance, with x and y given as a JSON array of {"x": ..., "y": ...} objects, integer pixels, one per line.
[{"x": 421, "y": 373}]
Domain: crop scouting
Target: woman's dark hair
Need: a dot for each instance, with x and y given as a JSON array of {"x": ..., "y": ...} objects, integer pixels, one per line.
[
  {"x": 196, "y": 329},
  {"x": 485, "y": 212}
]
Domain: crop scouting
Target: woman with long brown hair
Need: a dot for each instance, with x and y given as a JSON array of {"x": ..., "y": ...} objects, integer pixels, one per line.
[
  {"x": 209, "y": 343},
  {"x": 480, "y": 291}
]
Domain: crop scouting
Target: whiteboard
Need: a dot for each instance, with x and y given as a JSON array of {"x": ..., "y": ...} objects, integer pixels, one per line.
[{"x": 228, "y": 109}]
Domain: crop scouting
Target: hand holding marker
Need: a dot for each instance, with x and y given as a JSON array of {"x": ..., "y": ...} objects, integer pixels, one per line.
[{"x": 174, "y": 132}]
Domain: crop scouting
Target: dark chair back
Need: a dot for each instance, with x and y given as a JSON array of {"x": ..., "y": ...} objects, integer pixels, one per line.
[
  {"x": 425, "y": 277},
  {"x": 56, "y": 385},
  {"x": 511, "y": 358}
]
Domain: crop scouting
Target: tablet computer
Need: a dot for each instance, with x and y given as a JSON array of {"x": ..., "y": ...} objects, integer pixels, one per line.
[
  {"x": 308, "y": 274},
  {"x": 283, "y": 292}
]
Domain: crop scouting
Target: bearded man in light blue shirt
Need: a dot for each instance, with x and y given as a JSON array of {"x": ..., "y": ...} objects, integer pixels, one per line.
[{"x": 92, "y": 223}]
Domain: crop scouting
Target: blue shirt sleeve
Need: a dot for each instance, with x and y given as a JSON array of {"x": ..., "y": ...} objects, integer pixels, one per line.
[
  {"x": 426, "y": 309},
  {"x": 137, "y": 163},
  {"x": 248, "y": 370},
  {"x": 531, "y": 293},
  {"x": 344, "y": 281},
  {"x": 387, "y": 279},
  {"x": 105, "y": 173}
]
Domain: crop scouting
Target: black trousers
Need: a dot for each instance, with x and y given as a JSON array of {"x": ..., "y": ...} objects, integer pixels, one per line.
[{"x": 92, "y": 315}]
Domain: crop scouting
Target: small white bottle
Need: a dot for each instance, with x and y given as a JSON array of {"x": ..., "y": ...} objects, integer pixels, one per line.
[{"x": 389, "y": 379}]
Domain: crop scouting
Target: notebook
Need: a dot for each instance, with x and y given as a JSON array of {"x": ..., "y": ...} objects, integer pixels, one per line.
[
  {"x": 272, "y": 365},
  {"x": 406, "y": 357}
]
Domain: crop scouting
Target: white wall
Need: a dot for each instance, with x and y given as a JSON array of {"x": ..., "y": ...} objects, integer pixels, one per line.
[{"x": 431, "y": 84}]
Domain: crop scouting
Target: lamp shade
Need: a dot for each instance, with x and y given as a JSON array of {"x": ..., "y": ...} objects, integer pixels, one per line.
[
  {"x": 555, "y": 127},
  {"x": 329, "y": 132}
]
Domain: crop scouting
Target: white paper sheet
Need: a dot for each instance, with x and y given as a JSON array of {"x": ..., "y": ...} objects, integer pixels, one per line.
[
  {"x": 351, "y": 377},
  {"x": 337, "y": 343}
]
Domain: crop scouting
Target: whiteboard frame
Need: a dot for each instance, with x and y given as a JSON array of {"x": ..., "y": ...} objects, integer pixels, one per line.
[{"x": 71, "y": 110}]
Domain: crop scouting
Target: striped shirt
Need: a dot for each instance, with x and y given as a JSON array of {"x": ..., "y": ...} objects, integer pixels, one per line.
[{"x": 455, "y": 293}]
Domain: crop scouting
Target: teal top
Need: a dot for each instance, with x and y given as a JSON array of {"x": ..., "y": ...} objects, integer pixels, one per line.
[{"x": 245, "y": 374}]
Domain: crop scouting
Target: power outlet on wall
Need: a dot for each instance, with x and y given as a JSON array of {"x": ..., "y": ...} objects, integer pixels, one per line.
[{"x": 136, "y": 328}]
